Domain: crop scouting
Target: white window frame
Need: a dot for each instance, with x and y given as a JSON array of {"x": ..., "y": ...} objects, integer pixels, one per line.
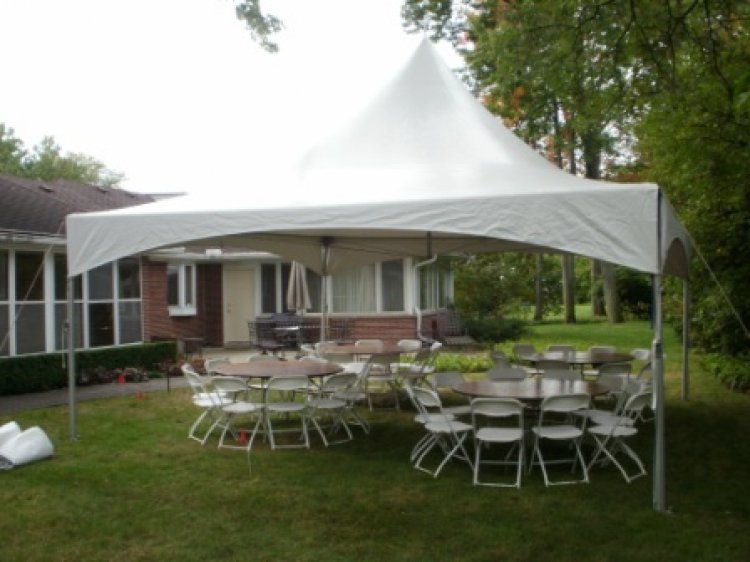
[{"x": 185, "y": 306}]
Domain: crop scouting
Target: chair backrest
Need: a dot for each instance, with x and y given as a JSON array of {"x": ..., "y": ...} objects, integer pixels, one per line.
[
  {"x": 565, "y": 403},
  {"x": 502, "y": 373},
  {"x": 211, "y": 364},
  {"x": 427, "y": 399},
  {"x": 446, "y": 379},
  {"x": 194, "y": 380},
  {"x": 614, "y": 382},
  {"x": 496, "y": 408},
  {"x": 340, "y": 382},
  {"x": 287, "y": 383},
  {"x": 410, "y": 345},
  {"x": 499, "y": 359},
  {"x": 368, "y": 342},
  {"x": 449, "y": 323},
  {"x": 621, "y": 367},
  {"x": 523, "y": 349},
  {"x": 261, "y": 357},
  {"x": 635, "y": 404},
  {"x": 561, "y": 347},
  {"x": 641, "y": 354},
  {"x": 229, "y": 384}
]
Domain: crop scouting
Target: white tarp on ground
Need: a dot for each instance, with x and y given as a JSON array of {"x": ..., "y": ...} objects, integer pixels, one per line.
[
  {"x": 23, "y": 447},
  {"x": 423, "y": 157}
]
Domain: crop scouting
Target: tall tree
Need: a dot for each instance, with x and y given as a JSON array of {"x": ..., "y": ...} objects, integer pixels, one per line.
[{"x": 12, "y": 152}]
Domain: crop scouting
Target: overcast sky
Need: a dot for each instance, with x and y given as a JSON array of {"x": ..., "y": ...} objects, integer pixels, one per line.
[{"x": 174, "y": 93}]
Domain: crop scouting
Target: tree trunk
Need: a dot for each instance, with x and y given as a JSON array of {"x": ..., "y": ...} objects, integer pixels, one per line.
[
  {"x": 612, "y": 302},
  {"x": 569, "y": 289},
  {"x": 538, "y": 301},
  {"x": 597, "y": 303}
]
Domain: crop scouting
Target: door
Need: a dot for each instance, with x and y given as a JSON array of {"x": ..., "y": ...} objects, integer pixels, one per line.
[{"x": 239, "y": 303}]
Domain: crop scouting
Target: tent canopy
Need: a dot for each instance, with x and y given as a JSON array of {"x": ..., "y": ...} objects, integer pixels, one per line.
[{"x": 425, "y": 169}]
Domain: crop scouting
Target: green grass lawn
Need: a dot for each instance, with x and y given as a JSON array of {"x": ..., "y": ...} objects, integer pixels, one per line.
[{"x": 135, "y": 488}]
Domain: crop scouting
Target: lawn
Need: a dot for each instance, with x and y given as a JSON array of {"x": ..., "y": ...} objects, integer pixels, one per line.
[{"x": 135, "y": 488}]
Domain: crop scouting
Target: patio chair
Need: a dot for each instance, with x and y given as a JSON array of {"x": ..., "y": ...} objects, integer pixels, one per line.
[
  {"x": 263, "y": 336},
  {"x": 561, "y": 347},
  {"x": 498, "y": 421},
  {"x": 353, "y": 395},
  {"x": 450, "y": 329},
  {"x": 280, "y": 399},
  {"x": 610, "y": 437},
  {"x": 234, "y": 386},
  {"x": 446, "y": 433},
  {"x": 380, "y": 379},
  {"x": 326, "y": 406},
  {"x": 549, "y": 429},
  {"x": 209, "y": 401}
]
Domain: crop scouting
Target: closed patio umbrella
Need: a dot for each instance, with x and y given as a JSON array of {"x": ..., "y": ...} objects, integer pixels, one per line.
[{"x": 297, "y": 294}]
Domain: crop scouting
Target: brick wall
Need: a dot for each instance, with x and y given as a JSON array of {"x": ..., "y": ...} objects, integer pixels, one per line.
[{"x": 206, "y": 324}]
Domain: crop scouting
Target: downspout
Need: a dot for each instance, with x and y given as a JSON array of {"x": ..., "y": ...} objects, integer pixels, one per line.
[
  {"x": 429, "y": 261},
  {"x": 70, "y": 330}
]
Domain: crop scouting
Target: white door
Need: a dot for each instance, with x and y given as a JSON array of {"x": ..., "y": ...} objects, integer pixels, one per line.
[{"x": 239, "y": 303}]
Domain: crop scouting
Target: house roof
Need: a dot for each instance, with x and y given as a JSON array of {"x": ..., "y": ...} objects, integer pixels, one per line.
[{"x": 39, "y": 207}]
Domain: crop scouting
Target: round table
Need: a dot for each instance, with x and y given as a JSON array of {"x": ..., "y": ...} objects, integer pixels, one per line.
[
  {"x": 268, "y": 368},
  {"x": 528, "y": 389},
  {"x": 577, "y": 357}
]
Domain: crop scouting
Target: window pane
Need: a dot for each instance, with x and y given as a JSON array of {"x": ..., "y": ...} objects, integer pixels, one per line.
[
  {"x": 100, "y": 283},
  {"x": 173, "y": 285},
  {"x": 392, "y": 273},
  {"x": 101, "y": 324},
  {"x": 268, "y": 287},
  {"x": 130, "y": 322},
  {"x": 29, "y": 276},
  {"x": 189, "y": 288},
  {"x": 354, "y": 290},
  {"x": 129, "y": 278},
  {"x": 3, "y": 275},
  {"x": 4, "y": 326},
  {"x": 30, "y": 328},
  {"x": 60, "y": 316},
  {"x": 314, "y": 283}
]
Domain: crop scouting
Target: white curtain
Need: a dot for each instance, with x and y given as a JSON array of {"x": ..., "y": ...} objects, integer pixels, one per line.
[{"x": 354, "y": 290}]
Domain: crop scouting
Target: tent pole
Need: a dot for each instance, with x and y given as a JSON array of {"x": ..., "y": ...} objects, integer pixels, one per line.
[
  {"x": 70, "y": 325},
  {"x": 325, "y": 257},
  {"x": 685, "y": 339},
  {"x": 657, "y": 354}
]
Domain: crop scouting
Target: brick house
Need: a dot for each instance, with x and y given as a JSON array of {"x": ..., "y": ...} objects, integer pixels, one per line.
[{"x": 171, "y": 293}]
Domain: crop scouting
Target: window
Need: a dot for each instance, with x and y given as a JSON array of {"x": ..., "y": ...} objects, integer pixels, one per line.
[
  {"x": 434, "y": 284},
  {"x": 181, "y": 289},
  {"x": 367, "y": 289},
  {"x": 29, "y": 310},
  {"x": 4, "y": 305}
]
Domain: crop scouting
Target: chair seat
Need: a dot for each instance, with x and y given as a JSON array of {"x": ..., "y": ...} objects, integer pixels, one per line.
[
  {"x": 284, "y": 407},
  {"x": 619, "y": 431},
  {"x": 458, "y": 410},
  {"x": 447, "y": 426},
  {"x": 327, "y": 403},
  {"x": 239, "y": 408},
  {"x": 499, "y": 434},
  {"x": 564, "y": 432},
  {"x": 429, "y": 418}
]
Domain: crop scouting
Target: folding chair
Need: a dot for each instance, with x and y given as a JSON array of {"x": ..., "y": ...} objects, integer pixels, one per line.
[
  {"x": 494, "y": 410},
  {"x": 326, "y": 405},
  {"x": 610, "y": 437},
  {"x": 234, "y": 387},
  {"x": 447, "y": 433},
  {"x": 550, "y": 429},
  {"x": 210, "y": 402},
  {"x": 280, "y": 399}
]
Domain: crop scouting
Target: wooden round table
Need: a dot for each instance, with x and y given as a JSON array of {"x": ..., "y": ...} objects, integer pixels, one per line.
[
  {"x": 268, "y": 368},
  {"x": 577, "y": 357},
  {"x": 528, "y": 389}
]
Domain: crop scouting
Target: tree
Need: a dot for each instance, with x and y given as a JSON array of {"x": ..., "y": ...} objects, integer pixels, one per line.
[
  {"x": 260, "y": 25},
  {"x": 12, "y": 152},
  {"x": 46, "y": 162}
]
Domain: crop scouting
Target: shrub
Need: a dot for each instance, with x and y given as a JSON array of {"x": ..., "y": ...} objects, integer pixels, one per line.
[
  {"x": 734, "y": 372},
  {"x": 463, "y": 363},
  {"x": 34, "y": 373},
  {"x": 490, "y": 329}
]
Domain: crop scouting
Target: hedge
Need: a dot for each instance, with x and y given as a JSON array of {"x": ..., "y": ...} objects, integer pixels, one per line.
[
  {"x": 35, "y": 373},
  {"x": 734, "y": 372}
]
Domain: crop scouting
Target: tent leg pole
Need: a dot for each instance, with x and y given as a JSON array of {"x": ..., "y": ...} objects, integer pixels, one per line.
[
  {"x": 685, "y": 339},
  {"x": 69, "y": 308},
  {"x": 657, "y": 353}
]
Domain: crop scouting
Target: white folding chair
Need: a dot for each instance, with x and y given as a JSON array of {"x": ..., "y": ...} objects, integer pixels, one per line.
[
  {"x": 325, "y": 406},
  {"x": 448, "y": 434},
  {"x": 550, "y": 429},
  {"x": 234, "y": 387},
  {"x": 610, "y": 436},
  {"x": 210, "y": 402},
  {"x": 280, "y": 396},
  {"x": 486, "y": 414},
  {"x": 355, "y": 394}
]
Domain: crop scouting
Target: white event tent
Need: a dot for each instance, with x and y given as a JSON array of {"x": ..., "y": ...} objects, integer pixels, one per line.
[{"x": 424, "y": 169}]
